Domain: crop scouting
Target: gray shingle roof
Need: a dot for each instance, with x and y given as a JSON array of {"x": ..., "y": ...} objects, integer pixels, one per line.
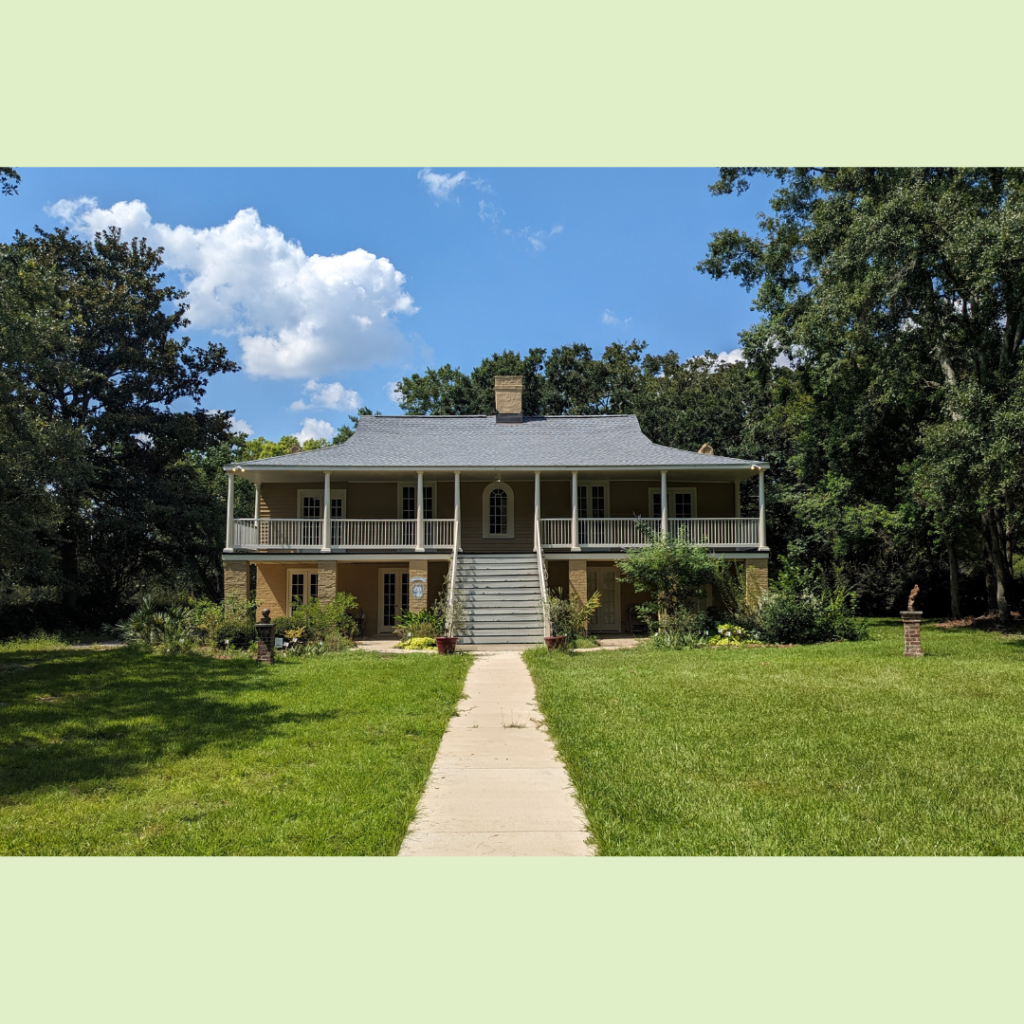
[{"x": 408, "y": 442}]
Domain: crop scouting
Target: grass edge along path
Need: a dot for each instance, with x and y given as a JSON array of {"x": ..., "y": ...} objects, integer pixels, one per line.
[
  {"x": 845, "y": 748},
  {"x": 118, "y": 752}
]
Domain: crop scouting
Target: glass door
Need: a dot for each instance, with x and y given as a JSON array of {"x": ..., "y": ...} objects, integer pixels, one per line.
[{"x": 394, "y": 598}]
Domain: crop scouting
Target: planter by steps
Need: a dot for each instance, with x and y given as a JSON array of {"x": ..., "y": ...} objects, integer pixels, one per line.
[
  {"x": 555, "y": 643},
  {"x": 446, "y": 644}
]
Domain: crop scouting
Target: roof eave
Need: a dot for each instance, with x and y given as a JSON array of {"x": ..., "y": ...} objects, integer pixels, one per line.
[{"x": 654, "y": 467}]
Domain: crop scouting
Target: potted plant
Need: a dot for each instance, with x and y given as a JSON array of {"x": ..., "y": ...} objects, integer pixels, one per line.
[
  {"x": 452, "y": 618},
  {"x": 568, "y": 618}
]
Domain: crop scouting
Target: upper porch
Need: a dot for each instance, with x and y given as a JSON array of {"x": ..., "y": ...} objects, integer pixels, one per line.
[{"x": 565, "y": 510}]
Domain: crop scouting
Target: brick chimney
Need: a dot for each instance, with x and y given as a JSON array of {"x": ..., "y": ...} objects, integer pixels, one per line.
[{"x": 508, "y": 399}]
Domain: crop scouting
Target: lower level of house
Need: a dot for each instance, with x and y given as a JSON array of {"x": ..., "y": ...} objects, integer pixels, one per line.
[{"x": 501, "y": 592}]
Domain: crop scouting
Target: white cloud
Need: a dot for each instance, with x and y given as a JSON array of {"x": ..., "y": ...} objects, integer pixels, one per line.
[
  {"x": 294, "y": 315},
  {"x": 441, "y": 186},
  {"x": 488, "y": 211},
  {"x": 392, "y": 390},
  {"x": 327, "y": 396},
  {"x": 608, "y": 317},
  {"x": 539, "y": 239},
  {"x": 733, "y": 356},
  {"x": 315, "y": 428},
  {"x": 239, "y": 426}
]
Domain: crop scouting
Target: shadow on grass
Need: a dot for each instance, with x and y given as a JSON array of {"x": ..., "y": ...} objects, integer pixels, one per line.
[{"x": 82, "y": 717}]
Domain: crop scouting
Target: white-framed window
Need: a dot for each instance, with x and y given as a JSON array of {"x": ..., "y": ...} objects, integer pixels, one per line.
[
  {"x": 303, "y": 585},
  {"x": 593, "y": 499},
  {"x": 407, "y": 499},
  {"x": 311, "y": 503},
  {"x": 499, "y": 510},
  {"x": 393, "y": 592},
  {"x": 682, "y": 502},
  {"x": 592, "y": 502}
]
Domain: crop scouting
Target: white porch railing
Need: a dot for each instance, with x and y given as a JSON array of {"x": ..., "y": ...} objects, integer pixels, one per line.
[
  {"x": 345, "y": 533},
  {"x": 556, "y": 533},
  {"x": 391, "y": 534},
  {"x": 633, "y": 532},
  {"x": 438, "y": 533}
]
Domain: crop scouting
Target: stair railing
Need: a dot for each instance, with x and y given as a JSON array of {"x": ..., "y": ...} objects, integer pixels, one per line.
[
  {"x": 542, "y": 577},
  {"x": 450, "y": 612}
]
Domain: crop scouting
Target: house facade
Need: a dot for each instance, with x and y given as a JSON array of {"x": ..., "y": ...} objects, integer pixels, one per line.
[{"x": 511, "y": 505}]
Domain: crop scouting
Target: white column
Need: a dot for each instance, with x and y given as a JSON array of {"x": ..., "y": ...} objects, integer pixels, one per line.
[
  {"x": 574, "y": 535},
  {"x": 230, "y": 524},
  {"x": 536, "y": 511},
  {"x": 256, "y": 508},
  {"x": 458, "y": 509},
  {"x": 325, "y": 538},
  {"x": 419, "y": 511},
  {"x": 761, "y": 543},
  {"x": 664, "y": 503}
]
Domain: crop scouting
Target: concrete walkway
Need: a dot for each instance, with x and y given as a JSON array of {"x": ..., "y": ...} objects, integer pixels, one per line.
[{"x": 497, "y": 788}]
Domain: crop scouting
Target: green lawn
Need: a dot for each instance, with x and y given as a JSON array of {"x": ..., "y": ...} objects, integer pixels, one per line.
[
  {"x": 845, "y": 748},
  {"x": 117, "y": 752}
]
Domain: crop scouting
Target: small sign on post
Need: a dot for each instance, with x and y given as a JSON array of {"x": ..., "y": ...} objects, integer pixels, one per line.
[{"x": 912, "y": 627}]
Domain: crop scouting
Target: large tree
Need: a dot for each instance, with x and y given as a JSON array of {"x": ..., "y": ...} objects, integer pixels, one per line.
[
  {"x": 901, "y": 294},
  {"x": 105, "y": 369}
]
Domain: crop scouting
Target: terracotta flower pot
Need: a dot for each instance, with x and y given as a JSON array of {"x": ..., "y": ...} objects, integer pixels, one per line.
[
  {"x": 446, "y": 644},
  {"x": 555, "y": 643}
]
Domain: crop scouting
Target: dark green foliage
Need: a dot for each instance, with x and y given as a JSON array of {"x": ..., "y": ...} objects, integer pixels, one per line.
[
  {"x": 97, "y": 370},
  {"x": 569, "y": 616},
  {"x": 237, "y": 633},
  {"x": 328, "y": 626},
  {"x": 674, "y": 572},
  {"x": 429, "y": 622}
]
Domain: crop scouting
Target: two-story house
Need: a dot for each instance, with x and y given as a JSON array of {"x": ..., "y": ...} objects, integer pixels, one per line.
[{"x": 510, "y": 504}]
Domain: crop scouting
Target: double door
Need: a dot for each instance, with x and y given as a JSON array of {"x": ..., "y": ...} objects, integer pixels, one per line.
[
  {"x": 393, "y": 593},
  {"x": 607, "y": 619}
]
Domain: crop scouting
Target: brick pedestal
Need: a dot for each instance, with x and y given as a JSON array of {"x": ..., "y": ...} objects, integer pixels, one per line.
[
  {"x": 265, "y": 642},
  {"x": 912, "y": 634}
]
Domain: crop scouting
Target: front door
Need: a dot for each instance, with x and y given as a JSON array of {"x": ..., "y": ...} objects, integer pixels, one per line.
[
  {"x": 394, "y": 598},
  {"x": 607, "y": 619}
]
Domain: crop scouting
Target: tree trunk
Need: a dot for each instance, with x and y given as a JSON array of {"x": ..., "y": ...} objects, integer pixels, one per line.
[
  {"x": 954, "y": 581},
  {"x": 69, "y": 575},
  {"x": 997, "y": 559}
]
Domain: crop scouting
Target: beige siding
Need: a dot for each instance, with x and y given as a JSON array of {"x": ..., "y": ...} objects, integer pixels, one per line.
[
  {"x": 473, "y": 522},
  {"x": 271, "y": 592},
  {"x": 558, "y": 577},
  {"x": 372, "y": 501},
  {"x": 555, "y": 499}
]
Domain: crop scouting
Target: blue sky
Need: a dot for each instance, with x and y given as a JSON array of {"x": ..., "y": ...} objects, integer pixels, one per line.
[{"x": 328, "y": 285}]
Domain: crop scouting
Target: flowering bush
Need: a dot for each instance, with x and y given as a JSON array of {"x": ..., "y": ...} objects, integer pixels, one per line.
[{"x": 729, "y": 635}]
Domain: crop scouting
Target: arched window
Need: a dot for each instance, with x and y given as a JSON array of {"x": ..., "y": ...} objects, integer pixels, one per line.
[
  {"x": 498, "y": 513},
  {"x": 499, "y": 510}
]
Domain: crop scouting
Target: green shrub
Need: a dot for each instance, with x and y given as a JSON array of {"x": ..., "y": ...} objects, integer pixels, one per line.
[
  {"x": 789, "y": 617},
  {"x": 728, "y": 634},
  {"x": 569, "y": 616},
  {"x": 167, "y": 630},
  {"x": 786, "y": 618},
  {"x": 684, "y": 627},
  {"x": 325, "y": 627},
  {"x": 420, "y": 625},
  {"x": 237, "y": 633}
]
